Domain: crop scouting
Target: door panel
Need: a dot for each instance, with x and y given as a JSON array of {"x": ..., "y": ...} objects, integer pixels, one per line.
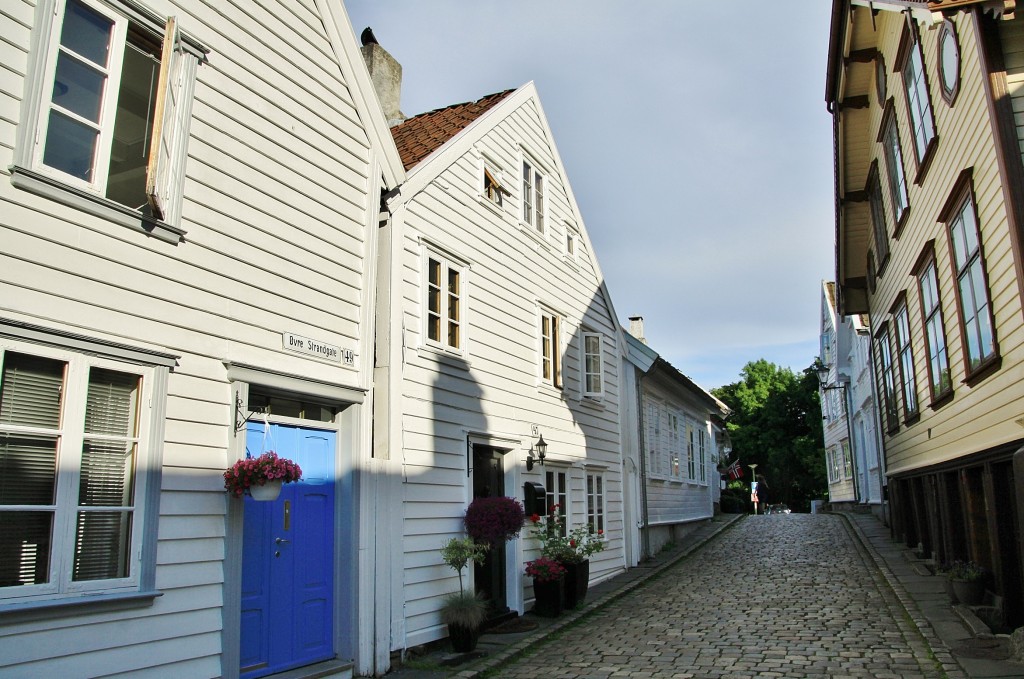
[{"x": 288, "y": 558}]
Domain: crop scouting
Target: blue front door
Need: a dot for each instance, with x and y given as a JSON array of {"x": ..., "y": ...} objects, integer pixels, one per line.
[{"x": 288, "y": 557}]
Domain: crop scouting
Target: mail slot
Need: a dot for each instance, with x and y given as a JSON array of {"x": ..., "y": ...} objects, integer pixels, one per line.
[{"x": 535, "y": 498}]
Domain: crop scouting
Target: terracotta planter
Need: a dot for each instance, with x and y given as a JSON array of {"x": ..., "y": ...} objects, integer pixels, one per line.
[
  {"x": 268, "y": 492},
  {"x": 463, "y": 638},
  {"x": 549, "y": 597},
  {"x": 969, "y": 593},
  {"x": 577, "y": 579}
]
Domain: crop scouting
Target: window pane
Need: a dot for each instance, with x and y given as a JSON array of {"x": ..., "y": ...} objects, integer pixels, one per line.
[
  {"x": 25, "y": 548},
  {"x": 70, "y": 146},
  {"x": 107, "y": 474},
  {"x": 101, "y": 545},
  {"x": 110, "y": 407},
  {"x": 86, "y": 32},
  {"x": 78, "y": 87},
  {"x": 30, "y": 393},
  {"x": 133, "y": 126},
  {"x": 28, "y": 470}
]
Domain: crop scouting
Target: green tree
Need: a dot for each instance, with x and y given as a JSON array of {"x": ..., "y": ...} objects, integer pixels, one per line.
[{"x": 776, "y": 424}]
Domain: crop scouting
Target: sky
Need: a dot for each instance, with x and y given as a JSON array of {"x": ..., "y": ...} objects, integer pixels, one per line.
[{"x": 696, "y": 141}]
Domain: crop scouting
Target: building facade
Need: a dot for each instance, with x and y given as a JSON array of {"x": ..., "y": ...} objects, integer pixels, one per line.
[{"x": 929, "y": 244}]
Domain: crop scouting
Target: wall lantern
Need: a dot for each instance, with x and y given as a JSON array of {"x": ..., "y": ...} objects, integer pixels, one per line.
[{"x": 542, "y": 451}]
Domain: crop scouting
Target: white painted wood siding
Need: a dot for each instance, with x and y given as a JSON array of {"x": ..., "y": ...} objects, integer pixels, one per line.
[
  {"x": 275, "y": 208},
  {"x": 495, "y": 387}
]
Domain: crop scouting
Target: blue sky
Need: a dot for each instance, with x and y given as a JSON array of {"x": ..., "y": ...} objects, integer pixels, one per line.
[{"x": 696, "y": 141}]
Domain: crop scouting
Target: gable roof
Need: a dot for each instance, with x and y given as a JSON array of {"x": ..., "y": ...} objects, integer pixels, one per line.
[{"x": 421, "y": 135}]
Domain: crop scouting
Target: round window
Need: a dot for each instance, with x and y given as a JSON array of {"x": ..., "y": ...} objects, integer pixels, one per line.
[
  {"x": 949, "y": 61},
  {"x": 880, "y": 78}
]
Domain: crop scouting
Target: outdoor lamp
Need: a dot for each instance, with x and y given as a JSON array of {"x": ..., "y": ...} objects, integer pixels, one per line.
[{"x": 542, "y": 451}]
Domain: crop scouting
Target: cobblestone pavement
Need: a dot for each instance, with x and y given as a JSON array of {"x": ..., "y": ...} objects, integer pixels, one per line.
[{"x": 775, "y": 596}]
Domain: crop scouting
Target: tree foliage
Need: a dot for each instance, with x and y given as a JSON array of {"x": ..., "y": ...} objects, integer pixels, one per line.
[{"x": 776, "y": 424}]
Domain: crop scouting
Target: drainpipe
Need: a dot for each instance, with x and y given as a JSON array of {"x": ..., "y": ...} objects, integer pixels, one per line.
[
  {"x": 879, "y": 435},
  {"x": 849, "y": 433},
  {"x": 645, "y": 538}
]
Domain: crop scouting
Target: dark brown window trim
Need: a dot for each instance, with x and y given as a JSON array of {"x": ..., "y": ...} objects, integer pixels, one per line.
[
  {"x": 872, "y": 273},
  {"x": 914, "y": 418},
  {"x": 927, "y": 254},
  {"x": 900, "y": 223},
  {"x": 901, "y": 303},
  {"x": 891, "y": 425},
  {"x": 911, "y": 40},
  {"x": 889, "y": 117},
  {"x": 941, "y": 399},
  {"x": 926, "y": 162},
  {"x": 881, "y": 83},
  {"x": 961, "y": 185},
  {"x": 927, "y": 257},
  {"x": 984, "y": 369},
  {"x": 949, "y": 96}
]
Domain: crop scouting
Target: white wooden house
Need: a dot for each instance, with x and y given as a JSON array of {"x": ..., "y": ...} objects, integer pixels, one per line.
[
  {"x": 671, "y": 448},
  {"x": 853, "y": 448},
  {"x": 502, "y": 332},
  {"x": 188, "y": 219}
]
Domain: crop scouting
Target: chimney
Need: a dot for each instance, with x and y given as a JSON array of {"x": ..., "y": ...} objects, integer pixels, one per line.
[
  {"x": 636, "y": 328},
  {"x": 386, "y": 75}
]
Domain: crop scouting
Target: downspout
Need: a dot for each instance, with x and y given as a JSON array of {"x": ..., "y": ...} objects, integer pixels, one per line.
[
  {"x": 880, "y": 437},
  {"x": 849, "y": 437},
  {"x": 645, "y": 537}
]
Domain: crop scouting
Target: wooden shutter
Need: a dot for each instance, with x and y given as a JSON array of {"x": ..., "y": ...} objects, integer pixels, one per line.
[{"x": 161, "y": 143}]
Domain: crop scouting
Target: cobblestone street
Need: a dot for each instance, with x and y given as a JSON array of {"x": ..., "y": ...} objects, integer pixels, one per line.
[{"x": 775, "y": 596}]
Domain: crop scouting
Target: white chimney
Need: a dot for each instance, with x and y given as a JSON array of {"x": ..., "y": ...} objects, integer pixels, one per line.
[
  {"x": 636, "y": 328},
  {"x": 386, "y": 75}
]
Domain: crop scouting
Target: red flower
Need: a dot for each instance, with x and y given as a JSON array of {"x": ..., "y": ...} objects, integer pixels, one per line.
[
  {"x": 600, "y": 532},
  {"x": 572, "y": 543},
  {"x": 535, "y": 518}
]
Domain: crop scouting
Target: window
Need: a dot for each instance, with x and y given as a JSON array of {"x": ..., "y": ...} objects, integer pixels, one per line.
[
  {"x": 570, "y": 244},
  {"x": 110, "y": 100},
  {"x": 550, "y": 348},
  {"x": 915, "y": 85},
  {"x": 75, "y": 455},
  {"x": 702, "y": 437},
  {"x": 593, "y": 383},
  {"x": 654, "y": 445},
  {"x": 885, "y": 368},
  {"x": 905, "y": 356},
  {"x": 878, "y": 223},
  {"x": 444, "y": 303},
  {"x": 847, "y": 460},
  {"x": 691, "y": 465},
  {"x": 934, "y": 327},
  {"x": 973, "y": 302},
  {"x": 672, "y": 450},
  {"x": 556, "y": 485},
  {"x": 833, "y": 465},
  {"x": 533, "y": 196},
  {"x": 492, "y": 188},
  {"x": 890, "y": 140},
  {"x": 880, "y": 80},
  {"x": 949, "y": 62},
  {"x": 595, "y": 503}
]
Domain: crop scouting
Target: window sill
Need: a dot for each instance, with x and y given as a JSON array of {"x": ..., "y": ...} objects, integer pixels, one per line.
[
  {"x": 441, "y": 356},
  {"x": 25, "y": 611},
  {"x": 540, "y": 237},
  {"x": 595, "y": 402},
  {"x": 941, "y": 400},
  {"x": 44, "y": 186},
  {"x": 926, "y": 161},
  {"x": 498, "y": 210},
  {"x": 983, "y": 370}
]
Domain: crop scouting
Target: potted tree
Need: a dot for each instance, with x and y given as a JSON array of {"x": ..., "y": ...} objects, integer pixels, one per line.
[
  {"x": 548, "y": 582},
  {"x": 464, "y": 612},
  {"x": 968, "y": 581},
  {"x": 261, "y": 477}
]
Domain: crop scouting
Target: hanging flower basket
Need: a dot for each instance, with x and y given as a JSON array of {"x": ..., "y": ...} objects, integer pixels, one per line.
[
  {"x": 259, "y": 476},
  {"x": 494, "y": 519}
]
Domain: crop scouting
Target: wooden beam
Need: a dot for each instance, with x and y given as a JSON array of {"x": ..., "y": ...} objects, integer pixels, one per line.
[
  {"x": 859, "y": 101},
  {"x": 854, "y": 197},
  {"x": 864, "y": 56}
]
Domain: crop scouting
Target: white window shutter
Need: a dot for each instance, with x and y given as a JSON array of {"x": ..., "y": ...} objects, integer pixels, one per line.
[{"x": 159, "y": 176}]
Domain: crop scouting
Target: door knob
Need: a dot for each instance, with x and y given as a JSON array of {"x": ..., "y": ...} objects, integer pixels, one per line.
[{"x": 281, "y": 541}]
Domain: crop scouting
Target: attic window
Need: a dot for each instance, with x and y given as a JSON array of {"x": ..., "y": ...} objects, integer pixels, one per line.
[
  {"x": 492, "y": 188},
  {"x": 949, "y": 62}
]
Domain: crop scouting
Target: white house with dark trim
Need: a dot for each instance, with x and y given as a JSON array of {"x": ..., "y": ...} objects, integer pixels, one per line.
[{"x": 189, "y": 216}]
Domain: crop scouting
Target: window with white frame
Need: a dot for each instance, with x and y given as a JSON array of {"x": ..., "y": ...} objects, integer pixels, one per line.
[
  {"x": 550, "y": 349},
  {"x": 533, "y": 196},
  {"x": 76, "y": 460},
  {"x": 556, "y": 486},
  {"x": 847, "y": 459},
  {"x": 893, "y": 152},
  {"x": 672, "y": 450},
  {"x": 934, "y": 327},
  {"x": 702, "y": 437},
  {"x": 974, "y": 303},
  {"x": 908, "y": 377},
  {"x": 492, "y": 185},
  {"x": 654, "y": 445},
  {"x": 691, "y": 451},
  {"x": 443, "y": 285},
  {"x": 570, "y": 244},
  {"x": 592, "y": 364},
  {"x": 919, "y": 106},
  {"x": 595, "y": 502},
  {"x": 833, "y": 465},
  {"x": 110, "y": 101}
]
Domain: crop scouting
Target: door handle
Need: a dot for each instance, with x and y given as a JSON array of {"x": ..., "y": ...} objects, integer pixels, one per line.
[{"x": 281, "y": 541}]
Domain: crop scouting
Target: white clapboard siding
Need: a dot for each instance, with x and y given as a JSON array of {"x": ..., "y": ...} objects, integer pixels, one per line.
[{"x": 275, "y": 212}]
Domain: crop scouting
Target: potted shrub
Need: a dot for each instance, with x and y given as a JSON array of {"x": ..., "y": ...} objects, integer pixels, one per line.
[
  {"x": 261, "y": 477},
  {"x": 968, "y": 580},
  {"x": 493, "y": 520},
  {"x": 548, "y": 580},
  {"x": 464, "y": 612},
  {"x": 571, "y": 550}
]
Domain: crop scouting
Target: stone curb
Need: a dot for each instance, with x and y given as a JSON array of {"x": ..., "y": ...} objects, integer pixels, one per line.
[
  {"x": 521, "y": 646},
  {"x": 943, "y": 656}
]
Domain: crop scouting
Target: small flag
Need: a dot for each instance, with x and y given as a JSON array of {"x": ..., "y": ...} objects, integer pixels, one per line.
[{"x": 734, "y": 470}]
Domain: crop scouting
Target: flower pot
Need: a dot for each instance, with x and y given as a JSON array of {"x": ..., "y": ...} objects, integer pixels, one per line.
[
  {"x": 577, "y": 579},
  {"x": 268, "y": 492},
  {"x": 969, "y": 592},
  {"x": 463, "y": 638},
  {"x": 549, "y": 597}
]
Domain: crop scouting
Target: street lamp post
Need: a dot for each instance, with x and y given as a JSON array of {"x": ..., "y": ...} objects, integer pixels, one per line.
[{"x": 753, "y": 472}]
